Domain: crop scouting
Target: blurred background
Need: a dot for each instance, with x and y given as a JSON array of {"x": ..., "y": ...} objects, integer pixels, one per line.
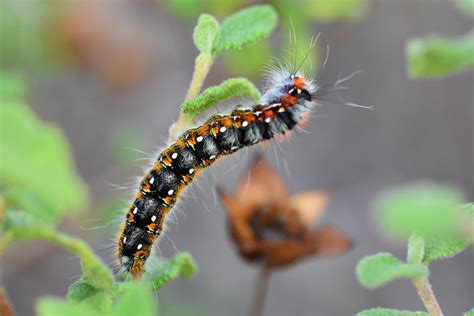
[{"x": 112, "y": 74}]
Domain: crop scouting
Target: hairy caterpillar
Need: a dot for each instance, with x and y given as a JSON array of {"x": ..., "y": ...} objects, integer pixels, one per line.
[{"x": 288, "y": 99}]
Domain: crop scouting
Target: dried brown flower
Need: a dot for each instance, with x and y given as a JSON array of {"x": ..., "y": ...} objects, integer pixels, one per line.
[{"x": 269, "y": 225}]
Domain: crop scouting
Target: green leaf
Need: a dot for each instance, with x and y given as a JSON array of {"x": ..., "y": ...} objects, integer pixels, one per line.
[
  {"x": 466, "y": 6},
  {"x": 469, "y": 313},
  {"x": 390, "y": 312},
  {"x": 246, "y": 27},
  {"x": 94, "y": 270},
  {"x": 428, "y": 209},
  {"x": 37, "y": 163},
  {"x": 160, "y": 273},
  {"x": 81, "y": 292},
  {"x": 416, "y": 248},
  {"x": 136, "y": 300},
  {"x": 248, "y": 62},
  {"x": 379, "y": 269},
  {"x": 439, "y": 248},
  {"x": 436, "y": 57},
  {"x": 50, "y": 306},
  {"x": 230, "y": 88},
  {"x": 206, "y": 33}
]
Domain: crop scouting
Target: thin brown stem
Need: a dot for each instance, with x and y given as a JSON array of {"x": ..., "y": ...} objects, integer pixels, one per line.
[
  {"x": 260, "y": 292},
  {"x": 5, "y": 306},
  {"x": 423, "y": 287}
]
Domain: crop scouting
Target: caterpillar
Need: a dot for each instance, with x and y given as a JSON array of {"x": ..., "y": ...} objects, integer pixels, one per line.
[{"x": 287, "y": 101}]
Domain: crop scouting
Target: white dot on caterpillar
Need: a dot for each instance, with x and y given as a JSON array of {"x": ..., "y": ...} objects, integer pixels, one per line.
[
  {"x": 222, "y": 129},
  {"x": 135, "y": 210},
  {"x": 257, "y": 113},
  {"x": 124, "y": 239},
  {"x": 245, "y": 123},
  {"x": 153, "y": 218},
  {"x": 174, "y": 156},
  {"x": 199, "y": 139},
  {"x": 268, "y": 120},
  {"x": 212, "y": 157},
  {"x": 139, "y": 246},
  {"x": 234, "y": 147},
  {"x": 191, "y": 171},
  {"x": 152, "y": 180},
  {"x": 170, "y": 192}
]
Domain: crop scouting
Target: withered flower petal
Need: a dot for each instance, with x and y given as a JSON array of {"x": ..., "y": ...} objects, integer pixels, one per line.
[
  {"x": 260, "y": 185},
  {"x": 268, "y": 225}
]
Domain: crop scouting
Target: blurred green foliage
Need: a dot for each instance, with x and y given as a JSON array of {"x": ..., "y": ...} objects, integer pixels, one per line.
[
  {"x": 27, "y": 38},
  {"x": 437, "y": 57},
  {"x": 38, "y": 165}
]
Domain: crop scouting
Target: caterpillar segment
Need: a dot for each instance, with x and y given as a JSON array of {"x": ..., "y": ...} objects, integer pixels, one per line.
[{"x": 281, "y": 108}]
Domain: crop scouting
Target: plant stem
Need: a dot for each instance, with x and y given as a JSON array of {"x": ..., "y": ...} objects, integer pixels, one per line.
[
  {"x": 5, "y": 306},
  {"x": 423, "y": 288},
  {"x": 202, "y": 66},
  {"x": 260, "y": 292}
]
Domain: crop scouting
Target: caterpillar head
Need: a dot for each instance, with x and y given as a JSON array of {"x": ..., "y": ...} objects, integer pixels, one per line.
[{"x": 283, "y": 84}]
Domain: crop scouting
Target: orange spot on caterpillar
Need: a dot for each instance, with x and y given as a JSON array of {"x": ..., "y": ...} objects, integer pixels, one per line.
[{"x": 299, "y": 82}]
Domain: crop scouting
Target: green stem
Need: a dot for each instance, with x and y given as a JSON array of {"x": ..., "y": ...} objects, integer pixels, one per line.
[
  {"x": 95, "y": 271},
  {"x": 424, "y": 290},
  {"x": 202, "y": 66}
]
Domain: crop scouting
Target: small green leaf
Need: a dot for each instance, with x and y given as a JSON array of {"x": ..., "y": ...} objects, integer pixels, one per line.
[
  {"x": 81, "y": 292},
  {"x": 469, "y": 313},
  {"x": 36, "y": 164},
  {"x": 136, "y": 300},
  {"x": 379, "y": 269},
  {"x": 436, "y": 57},
  {"x": 50, "y": 306},
  {"x": 390, "y": 312},
  {"x": 206, "y": 33},
  {"x": 416, "y": 248},
  {"x": 246, "y": 27},
  {"x": 424, "y": 208},
  {"x": 466, "y": 6},
  {"x": 160, "y": 273},
  {"x": 94, "y": 270},
  {"x": 230, "y": 88},
  {"x": 439, "y": 248}
]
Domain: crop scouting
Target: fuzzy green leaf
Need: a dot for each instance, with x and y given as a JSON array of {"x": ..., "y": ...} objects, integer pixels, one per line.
[
  {"x": 206, "y": 33},
  {"x": 466, "y": 6},
  {"x": 439, "y": 248},
  {"x": 379, "y": 269},
  {"x": 436, "y": 57},
  {"x": 162, "y": 272},
  {"x": 390, "y": 312},
  {"x": 136, "y": 300},
  {"x": 50, "y": 306},
  {"x": 81, "y": 292},
  {"x": 94, "y": 270},
  {"x": 469, "y": 313},
  {"x": 230, "y": 88},
  {"x": 36, "y": 164},
  {"x": 246, "y": 27},
  {"x": 424, "y": 208}
]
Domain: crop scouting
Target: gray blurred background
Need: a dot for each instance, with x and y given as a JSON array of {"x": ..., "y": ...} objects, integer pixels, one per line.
[{"x": 420, "y": 130}]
